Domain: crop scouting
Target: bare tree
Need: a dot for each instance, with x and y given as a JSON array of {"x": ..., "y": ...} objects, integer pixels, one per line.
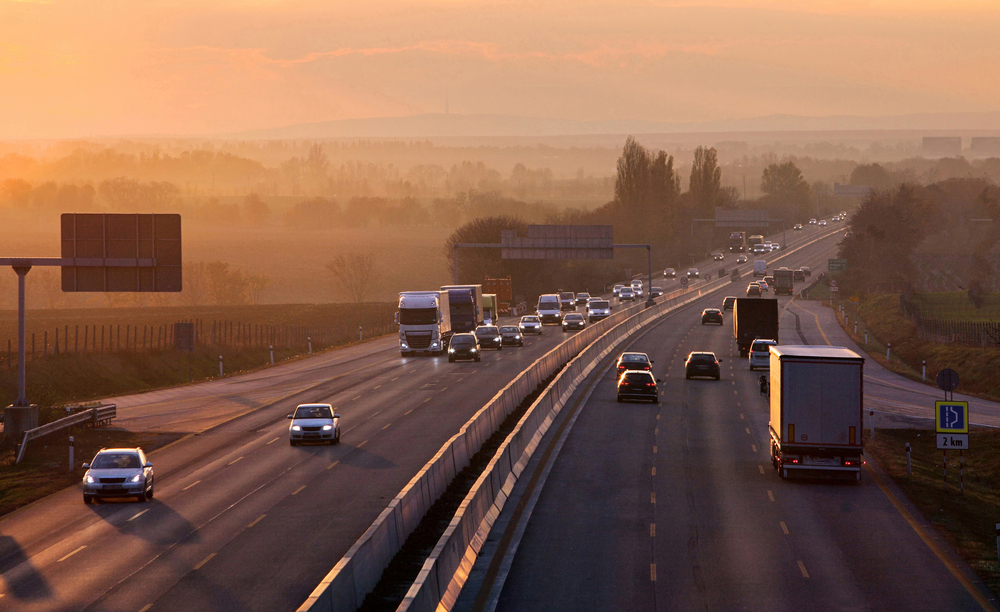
[
  {"x": 356, "y": 273},
  {"x": 256, "y": 285},
  {"x": 706, "y": 179}
]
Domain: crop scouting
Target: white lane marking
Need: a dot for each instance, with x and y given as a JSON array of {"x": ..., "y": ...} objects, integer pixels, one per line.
[
  {"x": 408, "y": 412},
  {"x": 741, "y": 416},
  {"x": 654, "y": 449},
  {"x": 387, "y": 425},
  {"x": 299, "y": 490},
  {"x": 802, "y": 568},
  {"x": 274, "y": 440},
  {"x": 235, "y": 460},
  {"x": 394, "y": 379},
  {"x": 256, "y": 520},
  {"x": 203, "y": 562},
  {"x": 137, "y": 515},
  {"x": 652, "y": 530},
  {"x": 333, "y": 465},
  {"x": 71, "y": 554},
  {"x": 652, "y": 572},
  {"x": 753, "y": 447},
  {"x": 784, "y": 527},
  {"x": 652, "y": 497},
  {"x": 654, "y": 471},
  {"x": 362, "y": 444},
  {"x": 377, "y": 387},
  {"x": 747, "y": 430},
  {"x": 426, "y": 400},
  {"x": 770, "y": 496},
  {"x": 145, "y": 607},
  {"x": 190, "y": 485},
  {"x": 761, "y": 468},
  {"x": 356, "y": 398}
]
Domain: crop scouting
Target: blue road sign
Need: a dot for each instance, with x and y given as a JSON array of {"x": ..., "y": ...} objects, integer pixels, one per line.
[{"x": 951, "y": 416}]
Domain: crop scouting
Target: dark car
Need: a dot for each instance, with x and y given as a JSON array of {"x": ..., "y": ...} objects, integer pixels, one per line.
[
  {"x": 702, "y": 364},
  {"x": 729, "y": 302},
  {"x": 573, "y": 321},
  {"x": 567, "y": 300},
  {"x": 753, "y": 289},
  {"x": 655, "y": 292},
  {"x": 711, "y": 315},
  {"x": 489, "y": 337},
  {"x": 798, "y": 276},
  {"x": 581, "y": 299},
  {"x": 634, "y": 361},
  {"x": 637, "y": 385},
  {"x": 463, "y": 346},
  {"x": 670, "y": 273},
  {"x": 769, "y": 280},
  {"x": 511, "y": 335},
  {"x": 806, "y": 271}
]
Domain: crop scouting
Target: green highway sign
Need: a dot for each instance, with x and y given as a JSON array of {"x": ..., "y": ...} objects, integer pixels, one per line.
[{"x": 836, "y": 265}]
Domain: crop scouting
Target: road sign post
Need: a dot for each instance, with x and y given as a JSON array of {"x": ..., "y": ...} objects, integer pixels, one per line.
[{"x": 951, "y": 421}]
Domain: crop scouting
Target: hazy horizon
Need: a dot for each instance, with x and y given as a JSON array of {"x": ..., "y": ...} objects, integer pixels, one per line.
[{"x": 195, "y": 68}]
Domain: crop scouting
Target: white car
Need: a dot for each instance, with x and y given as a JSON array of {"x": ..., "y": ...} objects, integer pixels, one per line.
[
  {"x": 637, "y": 288},
  {"x": 617, "y": 290},
  {"x": 313, "y": 423},
  {"x": 626, "y": 294},
  {"x": 760, "y": 354},
  {"x": 118, "y": 472},
  {"x": 769, "y": 246},
  {"x": 530, "y": 324},
  {"x": 822, "y": 222},
  {"x": 598, "y": 309},
  {"x": 759, "y": 249}
]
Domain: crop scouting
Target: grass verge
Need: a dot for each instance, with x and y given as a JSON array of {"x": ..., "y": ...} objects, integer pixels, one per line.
[
  {"x": 955, "y": 306},
  {"x": 966, "y": 519},
  {"x": 45, "y": 469}
]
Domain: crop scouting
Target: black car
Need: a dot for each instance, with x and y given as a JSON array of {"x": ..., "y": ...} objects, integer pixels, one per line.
[
  {"x": 702, "y": 364},
  {"x": 463, "y": 346},
  {"x": 511, "y": 335},
  {"x": 711, "y": 315},
  {"x": 729, "y": 302},
  {"x": 634, "y": 361},
  {"x": 638, "y": 385},
  {"x": 573, "y": 321},
  {"x": 489, "y": 337},
  {"x": 806, "y": 270},
  {"x": 581, "y": 299},
  {"x": 655, "y": 292},
  {"x": 798, "y": 276}
]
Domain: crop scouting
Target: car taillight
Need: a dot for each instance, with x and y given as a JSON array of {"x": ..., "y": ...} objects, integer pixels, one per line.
[
  {"x": 650, "y": 384},
  {"x": 793, "y": 460}
]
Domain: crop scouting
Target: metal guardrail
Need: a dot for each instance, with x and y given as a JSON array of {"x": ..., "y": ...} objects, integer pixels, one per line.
[{"x": 98, "y": 416}]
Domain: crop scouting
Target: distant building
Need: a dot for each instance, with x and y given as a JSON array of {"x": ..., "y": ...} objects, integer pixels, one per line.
[
  {"x": 942, "y": 146},
  {"x": 851, "y": 191},
  {"x": 985, "y": 146}
]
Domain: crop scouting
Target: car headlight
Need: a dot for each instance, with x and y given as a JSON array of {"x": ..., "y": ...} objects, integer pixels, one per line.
[
  {"x": 475, "y": 350},
  {"x": 89, "y": 479},
  {"x": 435, "y": 344},
  {"x": 451, "y": 350},
  {"x": 404, "y": 345},
  {"x": 296, "y": 428},
  {"x": 135, "y": 478},
  {"x": 327, "y": 427},
  {"x": 517, "y": 337}
]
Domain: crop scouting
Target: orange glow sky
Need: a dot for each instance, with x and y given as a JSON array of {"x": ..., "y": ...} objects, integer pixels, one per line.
[{"x": 113, "y": 67}]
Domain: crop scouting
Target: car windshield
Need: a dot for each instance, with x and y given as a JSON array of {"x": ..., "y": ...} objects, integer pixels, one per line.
[
  {"x": 761, "y": 346},
  {"x": 599, "y": 304},
  {"x": 548, "y": 303},
  {"x": 111, "y": 461},
  {"x": 508, "y": 330},
  {"x": 642, "y": 377},
  {"x": 486, "y": 332},
  {"x": 529, "y": 319},
  {"x": 583, "y": 295},
  {"x": 634, "y": 358},
  {"x": 313, "y": 412},
  {"x": 462, "y": 340},
  {"x": 418, "y": 316},
  {"x": 702, "y": 358},
  {"x": 574, "y": 317}
]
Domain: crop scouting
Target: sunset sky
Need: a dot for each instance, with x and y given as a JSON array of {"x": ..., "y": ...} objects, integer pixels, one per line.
[{"x": 112, "y": 67}]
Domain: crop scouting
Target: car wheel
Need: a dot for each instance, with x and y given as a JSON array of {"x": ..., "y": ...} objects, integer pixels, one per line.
[
  {"x": 337, "y": 439},
  {"x": 751, "y": 367},
  {"x": 88, "y": 499},
  {"x": 718, "y": 377},
  {"x": 149, "y": 495},
  {"x": 478, "y": 359},
  {"x": 501, "y": 348},
  {"x": 292, "y": 443},
  {"x": 521, "y": 343},
  {"x": 451, "y": 360},
  {"x": 141, "y": 498},
  {"x": 620, "y": 399}
]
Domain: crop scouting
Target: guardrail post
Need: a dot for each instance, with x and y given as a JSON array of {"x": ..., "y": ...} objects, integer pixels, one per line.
[
  {"x": 998, "y": 543},
  {"x": 871, "y": 415},
  {"x": 361, "y": 336},
  {"x": 310, "y": 341},
  {"x": 71, "y": 459},
  {"x": 271, "y": 347},
  {"x": 909, "y": 466},
  {"x": 923, "y": 369},
  {"x": 220, "y": 367},
  {"x": 888, "y": 347}
]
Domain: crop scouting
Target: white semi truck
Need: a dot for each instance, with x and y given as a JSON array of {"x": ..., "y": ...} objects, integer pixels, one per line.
[
  {"x": 817, "y": 411},
  {"x": 424, "y": 319}
]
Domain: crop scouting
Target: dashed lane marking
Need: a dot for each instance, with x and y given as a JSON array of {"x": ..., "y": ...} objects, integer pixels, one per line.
[
  {"x": 652, "y": 530},
  {"x": 784, "y": 527},
  {"x": 761, "y": 468},
  {"x": 137, "y": 515},
  {"x": 753, "y": 447},
  {"x": 408, "y": 412},
  {"x": 362, "y": 444},
  {"x": 333, "y": 465},
  {"x": 741, "y": 416},
  {"x": 747, "y": 429},
  {"x": 256, "y": 520},
  {"x": 426, "y": 400},
  {"x": 235, "y": 460},
  {"x": 654, "y": 471},
  {"x": 394, "y": 379},
  {"x": 387, "y": 425},
  {"x": 357, "y": 397},
  {"x": 203, "y": 562},
  {"x": 142, "y": 609},
  {"x": 770, "y": 496},
  {"x": 652, "y": 497},
  {"x": 299, "y": 490},
  {"x": 190, "y": 485},
  {"x": 71, "y": 554},
  {"x": 652, "y": 572},
  {"x": 376, "y": 387},
  {"x": 802, "y": 568},
  {"x": 274, "y": 440},
  {"x": 654, "y": 449},
  {"x": 735, "y": 393}
]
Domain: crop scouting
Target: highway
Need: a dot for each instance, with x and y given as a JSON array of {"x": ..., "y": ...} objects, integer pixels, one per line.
[
  {"x": 675, "y": 505},
  {"x": 241, "y": 521}
]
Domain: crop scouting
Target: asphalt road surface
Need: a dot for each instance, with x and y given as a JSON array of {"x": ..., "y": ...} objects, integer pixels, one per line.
[
  {"x": 675, "y": 505},
  {"x": 242, "y": 521}
]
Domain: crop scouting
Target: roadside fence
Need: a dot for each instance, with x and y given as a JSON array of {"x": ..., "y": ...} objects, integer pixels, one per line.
[
  {"x": 944, "y": 331},
  {"x": 94, "y": 416}
]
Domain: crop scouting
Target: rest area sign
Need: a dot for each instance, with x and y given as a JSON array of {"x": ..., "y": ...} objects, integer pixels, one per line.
[{"x": 951, "y": 417}]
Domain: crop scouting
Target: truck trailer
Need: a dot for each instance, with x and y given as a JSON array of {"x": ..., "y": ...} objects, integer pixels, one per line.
[
  {"x": 784, "y": 282},
  {"x": 424, "y": 319},
  {"x": 491, "y": 310},
  {"x": 817, "y": 411},
  {"x": 466, "y": 307},
  {"x": 754, "y": 318}
]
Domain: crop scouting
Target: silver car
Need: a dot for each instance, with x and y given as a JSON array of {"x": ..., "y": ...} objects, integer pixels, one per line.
[
  {"x": 530, "y": 324},
  {"x": 314, "y": 423},
  {"x": 118, "y": 472}
]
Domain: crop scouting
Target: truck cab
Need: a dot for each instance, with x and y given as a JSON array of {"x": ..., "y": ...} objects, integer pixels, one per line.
[{"x": 424, "y": 319}]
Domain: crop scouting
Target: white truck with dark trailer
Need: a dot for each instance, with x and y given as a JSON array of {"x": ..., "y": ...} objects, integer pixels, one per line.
[
  {"x": 817, "y": 411},
  {"x": 424, "y": 319}
]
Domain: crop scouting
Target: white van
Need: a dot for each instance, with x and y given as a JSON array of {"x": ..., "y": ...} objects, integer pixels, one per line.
[
  {"x": 549, "y": 308},
  {"x": 759, "y": 267}
]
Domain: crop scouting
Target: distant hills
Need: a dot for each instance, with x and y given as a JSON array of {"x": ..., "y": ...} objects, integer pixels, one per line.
[{"x": 455, "y": 125}]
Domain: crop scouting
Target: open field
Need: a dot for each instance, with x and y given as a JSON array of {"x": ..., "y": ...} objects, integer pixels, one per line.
[
  {"x": 955, "y": 306},
  {"x": 71, "y": 376},
  {"x": 967, "y": 520},
  {"x": 45, "y": 468}
]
